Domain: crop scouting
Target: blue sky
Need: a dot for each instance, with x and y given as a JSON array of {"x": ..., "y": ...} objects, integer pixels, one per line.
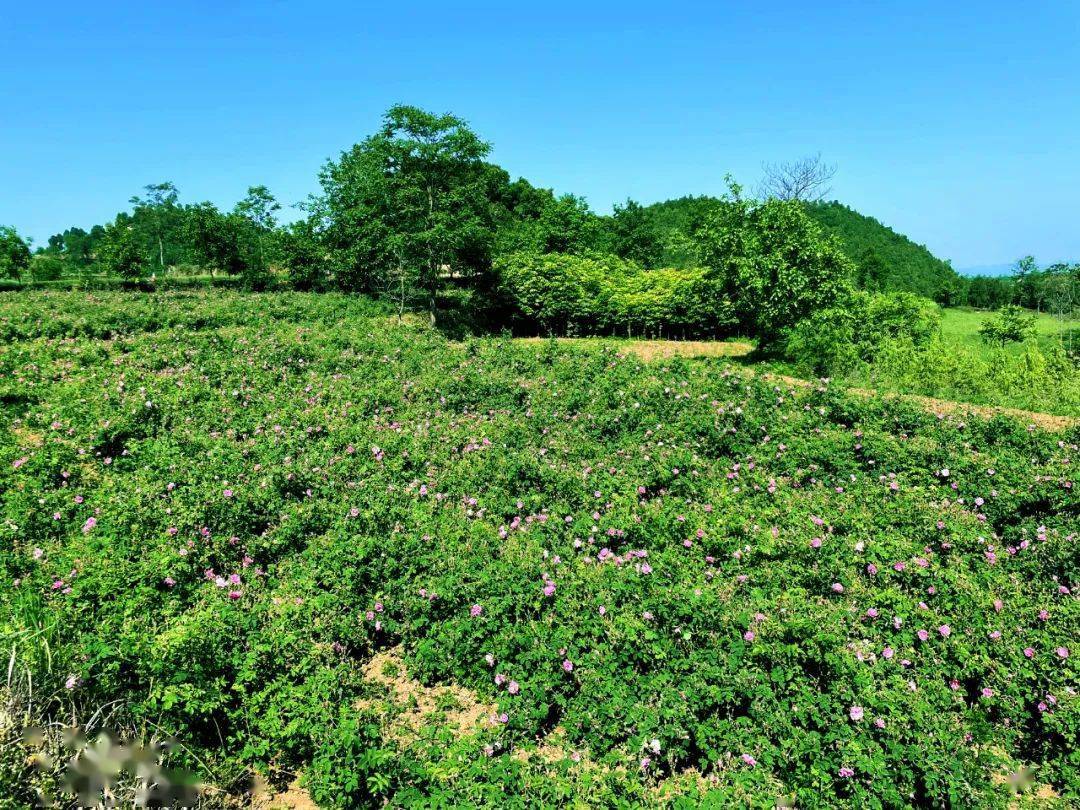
[{"x": 956, "y": 123}]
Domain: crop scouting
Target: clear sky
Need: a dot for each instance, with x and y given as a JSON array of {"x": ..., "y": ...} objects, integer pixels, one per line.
[{"x": 957, "y": 123}]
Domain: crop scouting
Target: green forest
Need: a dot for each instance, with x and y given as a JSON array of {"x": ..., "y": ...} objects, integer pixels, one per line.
[{"x": 416, "y": 211}]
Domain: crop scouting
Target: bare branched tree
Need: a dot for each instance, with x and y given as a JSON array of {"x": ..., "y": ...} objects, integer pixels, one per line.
[{"x": 805, "y": 179}]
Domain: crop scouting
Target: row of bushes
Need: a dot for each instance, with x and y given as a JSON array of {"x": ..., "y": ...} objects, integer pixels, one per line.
[
  {"x": 602, "y": 294},
  {"x": 104, "y": 283},
  {"x": 565, "y": 294},
  {"x": 764, "y": 266},
  {"x": 112, "y": 314}
]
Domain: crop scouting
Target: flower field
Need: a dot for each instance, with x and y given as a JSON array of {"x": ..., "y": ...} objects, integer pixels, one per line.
[{"x": 310, "y": 543}]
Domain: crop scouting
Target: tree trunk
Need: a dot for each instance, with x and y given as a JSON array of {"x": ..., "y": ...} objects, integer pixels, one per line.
[
  {"x": 433, "y": 261},
  {"x": 401, "y": 293}
]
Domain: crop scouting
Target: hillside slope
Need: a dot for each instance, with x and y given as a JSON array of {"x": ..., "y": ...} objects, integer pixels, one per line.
[
  {"x": 909, "y": 266},
  {"x": 886, "y": 259}
]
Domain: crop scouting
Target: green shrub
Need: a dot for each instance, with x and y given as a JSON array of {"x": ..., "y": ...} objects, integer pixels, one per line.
[
  {"x": 836, "y": 339},
  {"x": 602, "y": 294},
  {"x": 1037, "y": 380},
  {"x": 1011, "y": 325},
  {"x": 45, "y": 267}
]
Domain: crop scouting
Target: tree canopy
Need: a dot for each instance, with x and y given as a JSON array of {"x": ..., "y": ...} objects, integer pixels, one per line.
[
  {"x": 14, "y": 253},
  {"x": 417, "y": 212},
  {"x": 410, "y": 199}
]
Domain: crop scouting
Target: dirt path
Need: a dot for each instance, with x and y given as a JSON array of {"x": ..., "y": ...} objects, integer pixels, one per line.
[
  {"x": 1047, "y": 421},
  {"x": 650, "y": 350}
]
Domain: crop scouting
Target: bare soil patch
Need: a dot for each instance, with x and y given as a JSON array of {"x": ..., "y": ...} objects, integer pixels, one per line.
[{"x": 409, "y": 705}]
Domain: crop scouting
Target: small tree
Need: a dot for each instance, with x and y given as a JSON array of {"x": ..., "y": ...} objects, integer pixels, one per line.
[
  {"x": 14, "y": 253},
  {"x": 120, "y": 252},
  {"x": 1063, "y": 294},
  {"x": 1010, "y": 325},
  {"x": 1025, "y": 281},
  {"x": 257, "y": 209},
  {"x": 160, "y": 211}
]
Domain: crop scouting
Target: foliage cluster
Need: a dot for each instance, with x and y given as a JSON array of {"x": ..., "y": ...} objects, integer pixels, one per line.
[
  {"x": 836, "y": 339},
  {"x": 1039, "y": 378},
  {"x": 894, "y": 342},
  {"x": 763, "y": 268},
  {"x": 883, "y": 259},
  {"x": 602, "y": 294},
  {"x": 1011, "y": 325}
]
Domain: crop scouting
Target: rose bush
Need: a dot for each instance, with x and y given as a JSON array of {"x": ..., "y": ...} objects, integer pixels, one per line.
[{"x": 693, "y": 585}]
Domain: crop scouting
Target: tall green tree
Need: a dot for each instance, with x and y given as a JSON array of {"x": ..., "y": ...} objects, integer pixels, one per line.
[
  {"x": 538, "y": 221},
  {"x": 14, "y": 253},
  {"x": 159, "y": 215},
  {"x": 772, "y": 261},
  {"x": 304, "y": 256},
  {"x": 568, "y": 226},
  {"x": 213, "y": 238},
  {"x": 634, "y": 235},
  {"x": 258, "y": 210},
  {"x": 411, "y": 199},
  {"x": 1025, "y": 279}
]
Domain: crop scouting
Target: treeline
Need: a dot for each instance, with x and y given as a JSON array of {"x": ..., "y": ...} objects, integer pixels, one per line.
[
  {"x": 1054, "y": 289},
  {"x": 159, "y": 235},
  {"x": 416, "y": 213}
]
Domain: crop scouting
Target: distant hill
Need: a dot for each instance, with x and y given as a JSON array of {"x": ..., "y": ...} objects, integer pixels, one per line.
[
  {"x": 909, "y": 266},
  {"x": 886, "y": 258}
]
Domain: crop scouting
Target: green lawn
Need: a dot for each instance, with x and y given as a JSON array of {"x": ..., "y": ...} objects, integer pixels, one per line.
[{"x": 962, "y": 326}]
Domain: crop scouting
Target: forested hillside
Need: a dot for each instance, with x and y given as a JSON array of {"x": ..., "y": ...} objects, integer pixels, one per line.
[
  {"x": 887, "y": 259},
  {"x": 884, "y": 259}
]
